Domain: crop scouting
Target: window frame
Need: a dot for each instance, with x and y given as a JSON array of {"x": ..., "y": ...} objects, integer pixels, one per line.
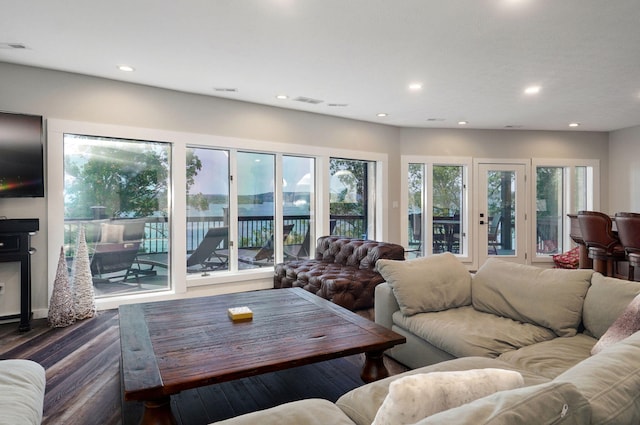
[
  {"x": 569, "y": 187},
  {"x": 427, "y": 219}
]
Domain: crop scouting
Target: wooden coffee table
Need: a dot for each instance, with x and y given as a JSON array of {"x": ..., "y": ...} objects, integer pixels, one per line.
[{"x": 172, "y": 346}]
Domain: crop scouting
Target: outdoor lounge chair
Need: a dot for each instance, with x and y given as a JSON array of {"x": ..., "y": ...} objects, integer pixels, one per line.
[
  {"x": 299, "y": 251},
  {"x": 116, "y": 250},
  {"x": 207, "y": 256},
  {"x": 264, "y": 256}
]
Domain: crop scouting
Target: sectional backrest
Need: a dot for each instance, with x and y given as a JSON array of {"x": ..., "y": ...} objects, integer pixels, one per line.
[{"x": 360, "y": 253}]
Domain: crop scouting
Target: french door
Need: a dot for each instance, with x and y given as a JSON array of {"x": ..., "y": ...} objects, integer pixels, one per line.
[{"x": 501, "y": 206}]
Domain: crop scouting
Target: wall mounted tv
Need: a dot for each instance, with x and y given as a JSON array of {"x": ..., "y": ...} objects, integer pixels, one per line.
[{"x": 21, "y": 156}]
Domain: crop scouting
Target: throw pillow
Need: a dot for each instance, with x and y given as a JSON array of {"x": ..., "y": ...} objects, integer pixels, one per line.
[
  {"x": 508, "y": 289},
  {"x": 626, "y": 325},
  {"x": 427, "y": 284},
  {"x": 567, "y": 260},
  {"x": 416, "y": 397},
  {"x": 111, "y": 233}
]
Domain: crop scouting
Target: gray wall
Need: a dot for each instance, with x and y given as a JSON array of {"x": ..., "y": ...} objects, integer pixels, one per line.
[
  {"x": 68, "y": 96},
  {"x": 624, "y": 174}
]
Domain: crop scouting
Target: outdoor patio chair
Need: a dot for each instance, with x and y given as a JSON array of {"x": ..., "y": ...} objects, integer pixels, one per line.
[
  {"x": 264, "y": 256},
  {"x": 116, "y": 250},
  {"x": 207, "y": 256},
  {"x": 298, "y": 251}
]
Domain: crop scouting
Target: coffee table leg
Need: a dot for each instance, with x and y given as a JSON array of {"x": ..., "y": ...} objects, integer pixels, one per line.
[
  {"x": 374, "y": 367},
  {"x": 158, "y": 412}
]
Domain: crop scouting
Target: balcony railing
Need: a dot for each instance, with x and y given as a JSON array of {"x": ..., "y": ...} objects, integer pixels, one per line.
[{"x": 253, "y": 231}]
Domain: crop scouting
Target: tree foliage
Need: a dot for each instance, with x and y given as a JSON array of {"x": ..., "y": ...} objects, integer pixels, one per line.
[{"x": 125, "y": 178}]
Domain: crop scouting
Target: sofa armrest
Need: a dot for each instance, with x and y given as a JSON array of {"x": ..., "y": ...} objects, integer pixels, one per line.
[{"x": 385, "y": 305}]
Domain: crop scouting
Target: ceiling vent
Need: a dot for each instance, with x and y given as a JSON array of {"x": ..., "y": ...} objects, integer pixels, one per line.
[
  {"x": 338, "y": 105},
  {"x": 15, "y": 46},
  {"x": 225, "y": 90},
  {"x": 307, "y": 100}
]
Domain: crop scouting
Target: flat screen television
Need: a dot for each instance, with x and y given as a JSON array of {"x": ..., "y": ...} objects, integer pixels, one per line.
[{"x": 21, "y": 156}]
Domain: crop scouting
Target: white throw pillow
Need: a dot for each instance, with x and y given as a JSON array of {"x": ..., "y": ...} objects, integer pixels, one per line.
[
  {"x": 416, "y": 397},
  {"x": 111, "y": 233}
]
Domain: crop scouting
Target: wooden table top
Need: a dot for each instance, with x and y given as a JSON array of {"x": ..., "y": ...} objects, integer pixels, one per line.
[{"x": 171, "y": 346}]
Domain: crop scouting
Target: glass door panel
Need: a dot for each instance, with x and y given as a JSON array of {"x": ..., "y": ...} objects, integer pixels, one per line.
[
  {"x": 207, "y": 210},
  {"x": 501, "y": 212},
  {"x": 256, "y": 210},
  {"x": 298, "y": 190}
]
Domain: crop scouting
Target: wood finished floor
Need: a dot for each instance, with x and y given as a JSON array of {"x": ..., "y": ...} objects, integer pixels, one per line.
[{"x": 83, "y": 377}]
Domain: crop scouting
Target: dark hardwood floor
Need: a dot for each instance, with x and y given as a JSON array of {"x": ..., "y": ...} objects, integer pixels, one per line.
[{"x": 83, "y": 377}]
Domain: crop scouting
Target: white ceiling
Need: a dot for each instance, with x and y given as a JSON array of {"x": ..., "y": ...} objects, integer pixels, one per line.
[{"x": 473, "y": 57}]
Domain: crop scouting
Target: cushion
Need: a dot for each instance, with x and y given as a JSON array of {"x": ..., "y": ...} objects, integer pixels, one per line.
[
  {"x": 418, "y": 396},
  {"x": 308, "y": 412},
  {"x": 22, "y": 385},
  {"x": 610, "y": 381},
  {"x": 425, "y": 284},
  {"x": 362, "y": 404},
  {"x": 551, "y": 358},
  {"x": 625, "y": 325},
  {"x": 568, "y": 260},
  {"x": 111, "y": 233},
  {"x": 552, "y": 403},
  {"x": 606, "y": 300},
  {"x": 464, "y": 331},
  {"x": 508, "y": 289}
]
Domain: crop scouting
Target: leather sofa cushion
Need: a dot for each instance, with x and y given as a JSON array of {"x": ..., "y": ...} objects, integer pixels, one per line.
[{"x": 509, "y": 289}]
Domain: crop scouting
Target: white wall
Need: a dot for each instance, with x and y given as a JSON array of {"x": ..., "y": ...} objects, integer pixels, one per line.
[
  {"x": 624, "y": 174},
  {"x": 76, "y": 97}
]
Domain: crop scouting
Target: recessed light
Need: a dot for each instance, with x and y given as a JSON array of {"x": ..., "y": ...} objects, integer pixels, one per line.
[
  {"x": 282, "y": 97},
  {"x": 126, "y": 68},
  {"x": 415, "y": 86},
  {"x": 463, "y": 122},
  {"x": 574, "y": 124},
  {"x": 532, "y": 89},
  {"x": 382, "y": 115}
]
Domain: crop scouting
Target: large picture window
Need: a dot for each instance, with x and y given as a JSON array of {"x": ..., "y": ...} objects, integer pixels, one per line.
[{"x": 117, "y": 190}]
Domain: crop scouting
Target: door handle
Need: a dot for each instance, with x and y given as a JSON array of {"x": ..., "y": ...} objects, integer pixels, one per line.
[{"x": 482, "y": 222}]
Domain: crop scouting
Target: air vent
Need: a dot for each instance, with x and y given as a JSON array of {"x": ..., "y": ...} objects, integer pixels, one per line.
[
  {"x": 513, "y": 126},
  {"x": 225, "y": 89},
  {"x": 14, "y": 46},
  {"x": 338, "y": 105},
  {"x": 435, "y": 119},
  {"x": 307, "y": 100}
]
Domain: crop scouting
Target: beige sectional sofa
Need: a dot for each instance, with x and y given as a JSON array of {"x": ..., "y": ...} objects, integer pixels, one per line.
[
  {"x": 22, "y": 386},
  {"x": 542, "y": 323}
]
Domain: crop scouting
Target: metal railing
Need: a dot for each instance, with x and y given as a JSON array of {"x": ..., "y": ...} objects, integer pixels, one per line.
[{"x": 253, "y": 231}]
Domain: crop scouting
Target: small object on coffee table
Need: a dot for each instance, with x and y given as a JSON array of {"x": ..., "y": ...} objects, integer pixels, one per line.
[{"x": 238, "y": 314}]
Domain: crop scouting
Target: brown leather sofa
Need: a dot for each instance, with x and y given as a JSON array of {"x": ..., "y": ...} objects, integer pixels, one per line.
[{"x": 343, "y": 270}]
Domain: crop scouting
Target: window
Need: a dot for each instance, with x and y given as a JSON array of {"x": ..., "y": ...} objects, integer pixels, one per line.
[
  {"x": 118, "y": 191},
  {"x": 238, "y": 206},
  {"x": 298, "y": 200},
  {"x": 436, "y": 206},
  {"x": 207, "y": 224},
  {"x": 562, "y": 187},
  {"x": 351, "y": 186}
]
